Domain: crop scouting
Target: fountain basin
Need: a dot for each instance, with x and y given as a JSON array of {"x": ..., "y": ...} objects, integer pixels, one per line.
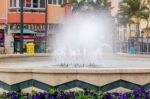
[
  {"x": 23, "y": 74},
  {"x": 106, "y": 79}
]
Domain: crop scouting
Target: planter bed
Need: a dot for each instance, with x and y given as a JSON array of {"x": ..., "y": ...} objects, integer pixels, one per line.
[{"x": 139, "y": 93}]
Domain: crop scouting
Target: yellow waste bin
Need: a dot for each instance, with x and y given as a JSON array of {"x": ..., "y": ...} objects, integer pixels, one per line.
[{"x": 30, "y": 48}]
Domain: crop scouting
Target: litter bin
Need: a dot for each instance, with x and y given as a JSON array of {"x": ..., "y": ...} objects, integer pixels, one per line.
[
  {"x": 132, "y": 50},
  {"x": 30, "y": 47}
]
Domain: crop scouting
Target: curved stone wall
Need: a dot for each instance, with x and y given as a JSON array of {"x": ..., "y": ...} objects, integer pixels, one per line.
[{"x": 106, "y": 79}]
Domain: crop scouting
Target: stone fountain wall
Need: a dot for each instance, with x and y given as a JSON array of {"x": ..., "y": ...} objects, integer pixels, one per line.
[{"x": 106, "y": 79}]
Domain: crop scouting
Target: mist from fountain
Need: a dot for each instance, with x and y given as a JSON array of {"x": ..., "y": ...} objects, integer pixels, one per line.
[{"x": 84, "y": 38}]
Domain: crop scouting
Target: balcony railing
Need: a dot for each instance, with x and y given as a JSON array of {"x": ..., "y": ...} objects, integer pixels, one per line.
[{"x": 27, "y": 9}]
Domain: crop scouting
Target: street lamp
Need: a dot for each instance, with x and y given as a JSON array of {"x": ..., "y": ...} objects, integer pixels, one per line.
[
  {"x": 142, "y": 34},
  {"x": 46, "y": 28},
  {"x": 21, "y": 26},
  {"x": 116, "y": 35}
]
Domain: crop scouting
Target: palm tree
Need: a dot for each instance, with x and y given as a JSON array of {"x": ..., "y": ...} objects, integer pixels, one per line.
[
  {"x": 145, "y": 14},
  {"x": 128, "y": 9}
]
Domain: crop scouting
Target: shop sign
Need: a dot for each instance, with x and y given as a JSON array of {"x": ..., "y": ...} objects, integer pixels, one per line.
[{"x": 25, "y": 37}]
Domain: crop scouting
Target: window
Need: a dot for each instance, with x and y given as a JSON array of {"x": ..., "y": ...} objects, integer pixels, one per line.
[
  {"x": 55, "y": 2},
  {"x": 35, "y": 3},
  {"x": 14, "y": 3},
  {"x": 50, "y": 2},
  {"x": 28, "y": 3},
  {"x": 11, "y": 3},
  {"x": 42, "y": 3},
  {"x": 17, "y": 3},
  {"x": 60, "y": 2},
  {"x": 24, "y": 3},
  {"x": 64, "y": 1},
  {"x": 31, "y": 5}
]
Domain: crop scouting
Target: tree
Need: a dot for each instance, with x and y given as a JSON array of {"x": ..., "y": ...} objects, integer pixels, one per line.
[
  {"x": 77, "y": 4},
  {"x": 145, "y": 14},
  {"x": 130, "y": 9}
]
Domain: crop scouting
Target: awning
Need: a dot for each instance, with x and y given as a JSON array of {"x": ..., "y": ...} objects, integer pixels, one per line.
[{"x": 26, "y": 31}]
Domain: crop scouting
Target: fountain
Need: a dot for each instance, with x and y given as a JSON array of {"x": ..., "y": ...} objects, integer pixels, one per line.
[
  {"x": 84, "y": 37},
  {"x": 85, "y": 43}
]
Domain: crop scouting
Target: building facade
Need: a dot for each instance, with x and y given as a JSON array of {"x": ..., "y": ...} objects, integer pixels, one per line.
[
  {"x": 34, "y": 19},
  {"x": 135, "y": 34}
]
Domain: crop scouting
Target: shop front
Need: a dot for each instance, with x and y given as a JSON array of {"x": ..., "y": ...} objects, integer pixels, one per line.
[
  {"x": 28, "y": 37},
  {"x": 40, "y": 42},
  {"x": 2, "y": 40}
]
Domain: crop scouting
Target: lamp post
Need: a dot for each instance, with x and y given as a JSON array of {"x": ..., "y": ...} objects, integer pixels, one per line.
[
  {"x": 142, "y": 34},
  {"x": 21, "y": 26},
  {"x": 46, "y": 16},
  {"x": 116, "y": 35}
]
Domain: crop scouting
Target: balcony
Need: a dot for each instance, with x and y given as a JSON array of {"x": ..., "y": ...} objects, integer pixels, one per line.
[
  {"x": 29, "y": 17},
  {"x": 27, "y": 9}
]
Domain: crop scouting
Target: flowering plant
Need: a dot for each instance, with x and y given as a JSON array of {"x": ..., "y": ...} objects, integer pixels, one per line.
[{"x": 139, "y": 93}]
